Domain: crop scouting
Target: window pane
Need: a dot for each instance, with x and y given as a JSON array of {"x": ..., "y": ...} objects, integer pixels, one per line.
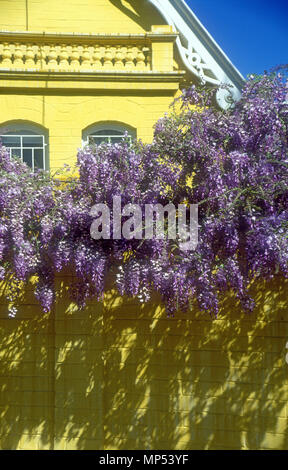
[
  {"x": 27, "y": 157},
  {"x": 108, "y": 132},
  {"x": 116, "y": 140},
  {"x": 32, "y": 141},
  {"x": 98, "y": 140},
  {"x": 16, "y": 153},
  {"x": 11, "y": 141},
  {"x": 38, "y": 158},
  {"x": 22, "y": 144}
]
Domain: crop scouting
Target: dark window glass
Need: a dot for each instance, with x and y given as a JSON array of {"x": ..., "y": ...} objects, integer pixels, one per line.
[
  {"x": 27, "y": 157},
  {"x": 116, "y": 140},
  {"x": 108, "y": 132},
  {"x": 16, "y": 153},
  {"x": 98, "y": 140},
  {"x": 38, "y": 158},
  {"x": 11, "y": 141},
  {"x": 32, "y": 141},
  {"x": 108, "y": 136}
]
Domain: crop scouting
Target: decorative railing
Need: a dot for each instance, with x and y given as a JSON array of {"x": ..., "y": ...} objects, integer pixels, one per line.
[
  {"x": 71, "y": 52},
  {"x": 74, "y": 57}
]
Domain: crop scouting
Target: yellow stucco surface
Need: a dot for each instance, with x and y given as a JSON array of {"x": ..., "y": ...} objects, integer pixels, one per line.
[{"x": 119, "y": 375}]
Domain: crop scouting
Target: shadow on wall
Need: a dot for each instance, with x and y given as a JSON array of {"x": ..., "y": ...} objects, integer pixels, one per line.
[
  {"x": 141, "y": 12},
  {"x": 123, "y": 376}
]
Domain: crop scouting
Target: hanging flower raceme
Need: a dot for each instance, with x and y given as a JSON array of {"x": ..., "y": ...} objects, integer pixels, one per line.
[{"x": 233, "y": 164}]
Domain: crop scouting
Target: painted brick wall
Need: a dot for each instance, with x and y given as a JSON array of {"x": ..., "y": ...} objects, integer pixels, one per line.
[{"x": 122, "y": 376}]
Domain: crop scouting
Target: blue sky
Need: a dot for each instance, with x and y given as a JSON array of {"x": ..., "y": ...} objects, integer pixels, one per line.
[{"x": 253, "y": 34}]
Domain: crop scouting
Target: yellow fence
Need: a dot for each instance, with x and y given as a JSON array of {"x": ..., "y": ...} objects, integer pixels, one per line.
[{"x": 123, "y": 376}]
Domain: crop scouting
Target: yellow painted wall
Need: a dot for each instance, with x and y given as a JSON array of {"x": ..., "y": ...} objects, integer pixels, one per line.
[
  {"x": 65, "y": 106},
  {"x": 66, "y": 116},
  {"x": 122, "y": 376},
  {"x": 85, "y": 16}
]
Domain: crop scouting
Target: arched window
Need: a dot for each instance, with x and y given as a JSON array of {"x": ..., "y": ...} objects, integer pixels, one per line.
[
  {"x": 108, "y": 132},
  {"x": 26, "y": 141}
]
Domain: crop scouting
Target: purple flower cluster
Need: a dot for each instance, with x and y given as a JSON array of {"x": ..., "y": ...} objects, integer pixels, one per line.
[{"x": 238, "y": 163}]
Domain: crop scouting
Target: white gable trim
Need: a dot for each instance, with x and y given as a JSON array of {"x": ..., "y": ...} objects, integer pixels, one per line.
[{"x": 198, "y": 50}]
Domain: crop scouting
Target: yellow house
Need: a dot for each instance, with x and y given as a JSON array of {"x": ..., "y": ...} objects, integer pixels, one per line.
[
  {"x": 119, "y": 375},
  {"x": 71, "y": 70}
]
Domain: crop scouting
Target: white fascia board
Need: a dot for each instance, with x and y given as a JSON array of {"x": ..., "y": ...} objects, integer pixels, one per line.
[{"x": 201, "y": 54}]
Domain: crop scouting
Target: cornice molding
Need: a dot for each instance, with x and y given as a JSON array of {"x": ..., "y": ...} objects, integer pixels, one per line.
[
  {"x": 86, "y": 75},
  {"x": 130, "y": 82},
  {"x": 85, "y": 38}
]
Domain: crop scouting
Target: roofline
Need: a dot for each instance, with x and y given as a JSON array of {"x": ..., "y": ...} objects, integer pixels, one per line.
[
  {"x": 199, "y": 52},
  {"x": 210, "y": 43}
]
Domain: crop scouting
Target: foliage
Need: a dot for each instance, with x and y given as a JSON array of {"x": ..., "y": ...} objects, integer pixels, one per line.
[{"x": 238, "y": 160}]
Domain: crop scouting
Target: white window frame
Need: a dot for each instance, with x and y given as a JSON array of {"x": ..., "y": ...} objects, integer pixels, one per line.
[
  {"x": 27, "y": 129},
  {"x": 110, "y": 127},
  {"x": 22, "y": 147}
]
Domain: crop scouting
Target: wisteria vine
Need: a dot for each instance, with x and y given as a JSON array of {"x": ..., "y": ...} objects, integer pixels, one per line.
[{"x": 233, "y": 164}]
